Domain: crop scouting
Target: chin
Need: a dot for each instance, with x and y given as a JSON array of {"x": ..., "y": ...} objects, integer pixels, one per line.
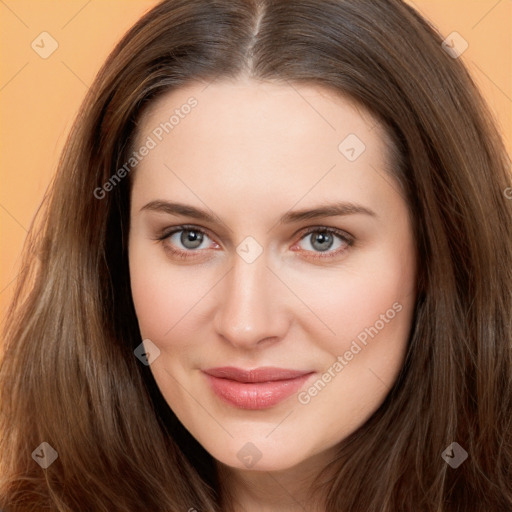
[{"x": 259, "y": 454}]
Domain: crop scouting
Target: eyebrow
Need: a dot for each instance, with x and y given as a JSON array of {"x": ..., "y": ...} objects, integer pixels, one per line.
[{"x": 290, "y": 217}]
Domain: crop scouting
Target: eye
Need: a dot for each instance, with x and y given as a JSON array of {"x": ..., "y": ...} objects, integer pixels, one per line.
[
  {"x": 183, "y": 241},
  {"x": 325, "y": 242},
  {"x": 189, "y": 238}
]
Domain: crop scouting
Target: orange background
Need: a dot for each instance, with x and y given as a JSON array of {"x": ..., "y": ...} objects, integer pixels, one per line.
[{"x": 40, "y": 97}]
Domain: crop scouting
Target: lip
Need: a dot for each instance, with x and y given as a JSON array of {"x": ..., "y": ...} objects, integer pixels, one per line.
[{"x": 260, "y": 388}]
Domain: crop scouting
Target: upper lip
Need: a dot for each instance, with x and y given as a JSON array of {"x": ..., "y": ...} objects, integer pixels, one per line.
[{"x": 262, "y": 374}]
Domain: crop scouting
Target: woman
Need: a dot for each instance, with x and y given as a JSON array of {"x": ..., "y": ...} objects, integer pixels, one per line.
[{"x": 273, "y": 273}]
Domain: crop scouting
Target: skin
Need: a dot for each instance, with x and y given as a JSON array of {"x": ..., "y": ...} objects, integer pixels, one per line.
[{"x": 249, "y": 152}]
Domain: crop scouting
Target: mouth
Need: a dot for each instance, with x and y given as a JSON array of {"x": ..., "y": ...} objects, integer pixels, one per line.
[{"x": 260, "y": 388}]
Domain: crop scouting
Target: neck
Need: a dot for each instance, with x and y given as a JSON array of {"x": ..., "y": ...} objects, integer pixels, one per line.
[{"x": 286, "y": 490}]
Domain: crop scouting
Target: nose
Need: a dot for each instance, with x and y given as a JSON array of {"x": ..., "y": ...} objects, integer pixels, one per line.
[{"x": 251, "y": 310}]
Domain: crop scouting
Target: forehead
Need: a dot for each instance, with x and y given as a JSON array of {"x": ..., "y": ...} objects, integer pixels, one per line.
[
  {"x": 260, "y": 139},
  {"x": 256, "y": 111}
]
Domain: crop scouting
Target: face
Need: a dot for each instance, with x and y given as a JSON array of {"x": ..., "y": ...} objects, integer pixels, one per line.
[{"x": 272, "y": 267}]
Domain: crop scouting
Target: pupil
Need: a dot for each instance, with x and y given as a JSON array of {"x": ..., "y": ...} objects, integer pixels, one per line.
[
  {"x": 191, "y": 239},
  {"x": 322, "y": 239}
]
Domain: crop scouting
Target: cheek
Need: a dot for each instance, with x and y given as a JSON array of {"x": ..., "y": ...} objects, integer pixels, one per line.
[
  {"x": 161, "y": 295},
  {"x": 371, "y": 312},
  {"x": 369, "y": 297}
]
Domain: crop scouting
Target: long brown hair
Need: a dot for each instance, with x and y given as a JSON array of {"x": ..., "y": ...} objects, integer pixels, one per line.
[{"x": 69, "y": 376}]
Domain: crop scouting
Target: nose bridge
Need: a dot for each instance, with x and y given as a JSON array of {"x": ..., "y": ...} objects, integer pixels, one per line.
[{"x": 248, "y": 310}]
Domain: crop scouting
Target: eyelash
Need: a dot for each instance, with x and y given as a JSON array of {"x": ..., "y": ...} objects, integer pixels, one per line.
[{"x": 183, "y": 255}]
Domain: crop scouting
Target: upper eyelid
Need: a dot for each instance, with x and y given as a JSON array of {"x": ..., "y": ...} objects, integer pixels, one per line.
[{"x": 302, "y": 232}]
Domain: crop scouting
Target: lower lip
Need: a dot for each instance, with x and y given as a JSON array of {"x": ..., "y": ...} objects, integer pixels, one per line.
[{"x": 257, "y": 395}]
